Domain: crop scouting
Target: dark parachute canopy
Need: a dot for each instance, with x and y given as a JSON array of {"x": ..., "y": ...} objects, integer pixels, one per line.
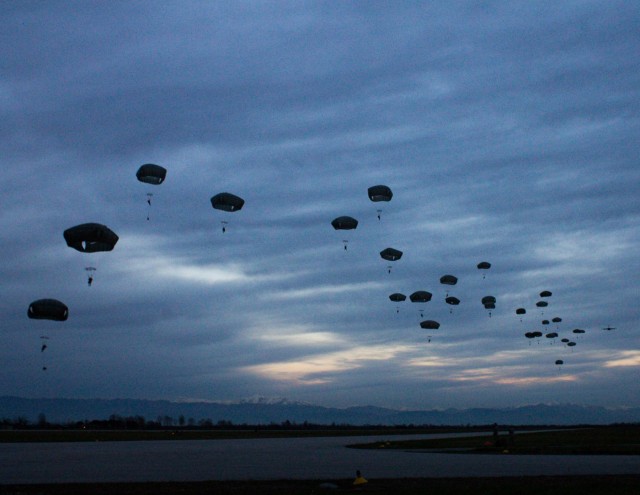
[
  {"x": 90, "y": 238},
  {"x": 380, "y": 193},
  {"x": 578, "y": 330},
  {"x": 545, "y": 293},
  {"x": 551, "y": 335},
  {"x": 48, "y": 309},
  {"x": 449, "y": 280},
  {"x": 227, "y": 202},
  {"x": 542, "y": 304},
  {"x": 564, "y": 340},
  {"x": 344, "y": 223},
  {"x": 454, "y": 301},
  {"x": 545, "y": 322},
  {"x": 430, "y": 324},
  {"x": 521, "y": 311},
  {"x": 488, "y": 300},
  {"x": 559, "y": 362},
  {"x": 391, "y": 254},
  {"x": 420, "y": 296},
  {"x": 397, "y": 297},
  {"x": 151, "y": 174},
  {"x": 484, "y": 265},
  {"x": 571, "y": 344},
  {"x": 557, "y": 319}
]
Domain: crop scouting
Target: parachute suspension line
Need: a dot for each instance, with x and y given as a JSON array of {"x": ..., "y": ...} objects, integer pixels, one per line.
[{"x": 149, "y": 196}]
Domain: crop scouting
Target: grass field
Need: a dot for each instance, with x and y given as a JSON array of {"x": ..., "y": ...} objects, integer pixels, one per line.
[
  {"x": 610, "y": 440},
  {"x": 539, "y": 485}
]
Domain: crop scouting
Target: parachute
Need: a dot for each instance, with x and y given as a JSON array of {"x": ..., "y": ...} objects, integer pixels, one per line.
[
  {"x": 344, "y": 223},
  {"x": 545, "y": 293},
  {"x": 420, "y": 296},
  {"x": 484, "y": 265},
  {"x": 559, "y": 362},
  {"x": 542, "y": 304},
  {"x": 489, "y": 302},
  {"x": 429, "y": 325},
  {"x": 90, "y": 238},
  {"x": 227, "y": 202},
  {"x": 448, "y": 280},
  {"x": 151, "y": 174},
  {"x": 557, "y": 319},
  {"x": 551, "y": 335},
  {"x": 390, "y": 254},
  {"x": 380, "y": 193},
  {"x": 453, "y": 301},
  {"x": 578, "y": 330},
  {"x": 521, "y": 311},
  {"x": 48, "y": 309},
  {"x": 397, "y": 297}
]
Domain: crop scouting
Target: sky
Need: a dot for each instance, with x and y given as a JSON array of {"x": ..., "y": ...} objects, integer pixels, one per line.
[{"x": 508, "y": 132}]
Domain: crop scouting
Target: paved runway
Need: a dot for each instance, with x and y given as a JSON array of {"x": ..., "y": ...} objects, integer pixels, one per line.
[{"x": 291, "y": 458}]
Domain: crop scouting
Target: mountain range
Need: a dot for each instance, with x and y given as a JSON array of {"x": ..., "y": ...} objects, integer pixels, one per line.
[{"x": 269, "y": 411}]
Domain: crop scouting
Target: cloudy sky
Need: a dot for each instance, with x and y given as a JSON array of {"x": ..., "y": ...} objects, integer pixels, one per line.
[{"x": 508, "y": 132}]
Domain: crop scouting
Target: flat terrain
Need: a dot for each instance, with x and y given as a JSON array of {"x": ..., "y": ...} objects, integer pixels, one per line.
[{"x": 565, "y": 485}]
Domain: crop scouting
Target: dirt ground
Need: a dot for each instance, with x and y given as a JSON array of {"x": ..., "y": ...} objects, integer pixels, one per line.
[{"x": 539, "y": 485}]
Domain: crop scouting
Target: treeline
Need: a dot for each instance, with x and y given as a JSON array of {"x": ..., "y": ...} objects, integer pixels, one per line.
[{"x": 117, "y": 422}]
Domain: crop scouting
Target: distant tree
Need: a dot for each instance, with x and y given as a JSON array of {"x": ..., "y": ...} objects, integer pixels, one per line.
[
  {"x": 181, "y": 420},
  {"x": 191, "y": 422},
  {"x": 42, "y": 420}
]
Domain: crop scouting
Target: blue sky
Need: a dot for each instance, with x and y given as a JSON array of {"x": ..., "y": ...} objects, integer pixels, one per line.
[{"x": 508, "y": 132}]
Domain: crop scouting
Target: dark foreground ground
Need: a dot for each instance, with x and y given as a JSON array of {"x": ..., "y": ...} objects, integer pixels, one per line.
[{"x": 543, "y": 485}]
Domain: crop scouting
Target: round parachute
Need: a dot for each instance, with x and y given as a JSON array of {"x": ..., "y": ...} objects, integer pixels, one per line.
[
  {"x": 48, "y": 309},
  {"x": 90, "y": 238},
  {"x": 227, "y": 202},
  {"x": 449, "y": 280},
  {"x": 430, "y": 324},
  {"x": 380, "y": 193},
  {"x": 397, "y": 297},
  {"x": 542, "y": 304},
  {"x": 151, "y": 174},
  {"x": 420, "y": 296},
  {"x": 521, "y": 311},
  {"x": 391, "y": 254},
  {"x": 454, "y": 301},
  {"x": 344, "y": 223}
]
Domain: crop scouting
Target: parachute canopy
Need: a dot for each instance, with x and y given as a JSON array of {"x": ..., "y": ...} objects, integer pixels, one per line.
[
  {"x": 557, "y": 319},
  {"x": 344, "y": 223},
  {"x": 578, "y": 330},
  {"x": 397, "y": 297},
  {"x": 227, "y": 202},
  {"x": 551, "y": 335},
  {"x": 430, "y": 324},
  {"x": 521, "y": 311},
  {"x": 488, "y": 300},
  {"x": 484, "y": 265},
  {"x": 48, "y": 309},
  {"x": 380, "y": 193},
  {"x": 454, "y": 301},
  {"x": 449, "y": 280},
  {"x": 391, "y": 254},
  {"x": 420, "y": 296},
  {"x": 151, "y": 174},
  {"x": 90, "y": 238},
  {"x": 545, "y": 293},
  {"x": 542, "y": 304},
  {"x": 559, "y": 362}
]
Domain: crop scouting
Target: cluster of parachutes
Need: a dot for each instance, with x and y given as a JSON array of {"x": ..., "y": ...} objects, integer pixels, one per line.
[
  {"x": 553, "y": 335},
  {"x": 448, "y": 280}
]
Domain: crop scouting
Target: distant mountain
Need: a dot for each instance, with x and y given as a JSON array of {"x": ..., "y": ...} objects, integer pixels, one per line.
[{"x": 266, "y": 411}]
